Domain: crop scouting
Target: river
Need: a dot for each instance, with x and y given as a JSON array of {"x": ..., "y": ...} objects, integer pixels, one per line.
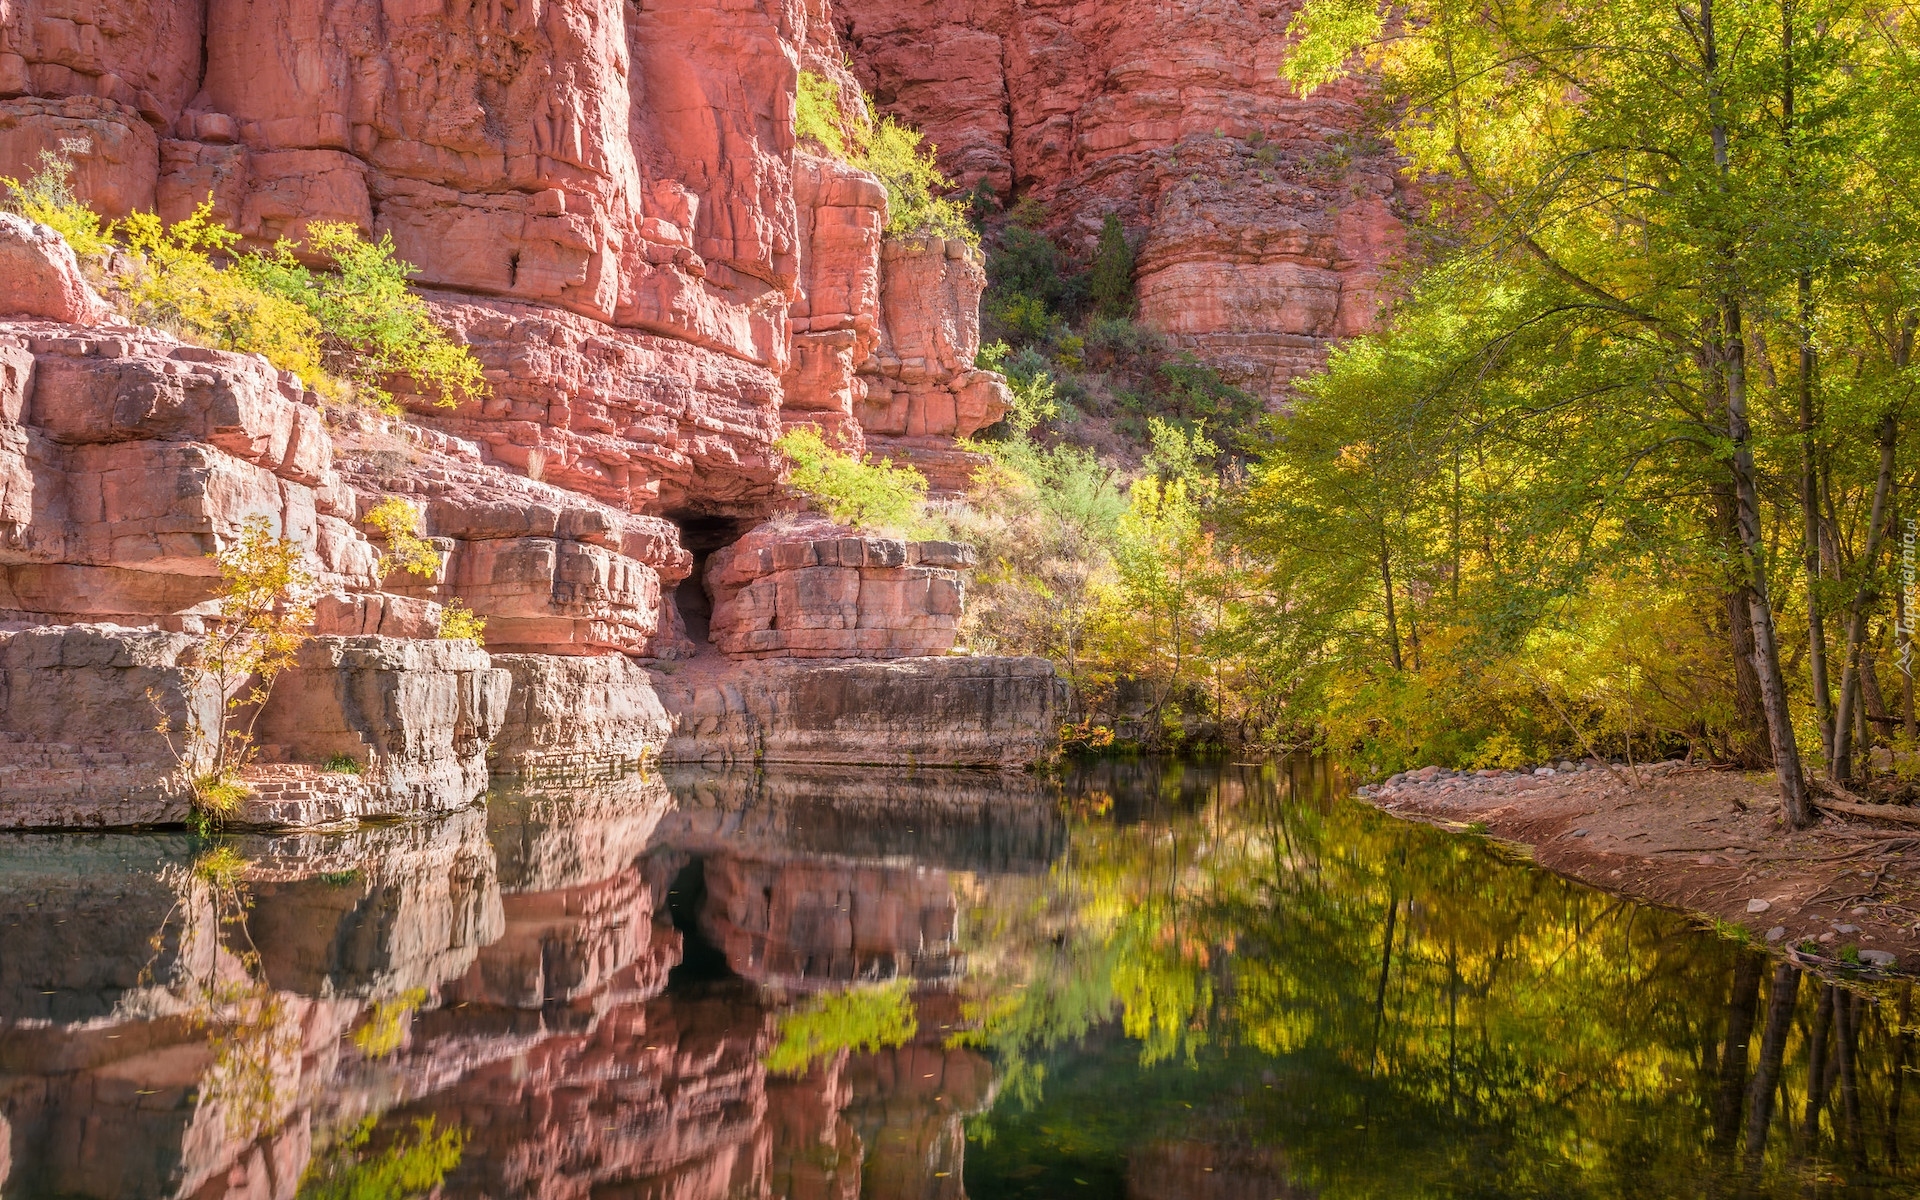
[{"x": 1141, "y": 979}]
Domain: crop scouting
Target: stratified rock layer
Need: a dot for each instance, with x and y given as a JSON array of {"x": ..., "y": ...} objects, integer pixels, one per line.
[
  {"x": 414, "y": 717},
  {"x": 816, "y": 591},
  {"x": 1263, "y": 222},
  {"x": 577, "y": 717},
  {"x": 956, "y": 711},
  {"x": 607, "y": 205}
]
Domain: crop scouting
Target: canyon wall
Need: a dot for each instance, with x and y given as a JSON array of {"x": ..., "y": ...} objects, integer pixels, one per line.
[
  {"x": 607, "y": 205},
  {"x": 1263, "y": 223}
]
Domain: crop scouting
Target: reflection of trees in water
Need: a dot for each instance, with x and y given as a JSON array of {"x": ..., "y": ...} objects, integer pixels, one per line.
[
  {"x": 412, "y": 1163},
  {"x": 1415, "y": 1008},
  {"x": 215, "y": 977},
  {"x": 254, "y": 1041}
]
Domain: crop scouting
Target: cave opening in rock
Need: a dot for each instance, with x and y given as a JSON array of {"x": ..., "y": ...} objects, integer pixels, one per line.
[{"x": 702, "y": 536}]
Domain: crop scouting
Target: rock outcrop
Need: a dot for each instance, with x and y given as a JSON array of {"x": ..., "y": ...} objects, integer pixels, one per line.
[
  {"x": 956, "y": 711},
  {"x": 810, "y": 590},
  {"x": 81, "y": 745},
  {"x": 80, "y": 708},
  {"x": 414, "y": 717},
  {"x": 1263, "y": 222},
  {"x": 608, "y": 206},
  {"x": 47, "y": 279},
  {"x": 577, "y": 718}
]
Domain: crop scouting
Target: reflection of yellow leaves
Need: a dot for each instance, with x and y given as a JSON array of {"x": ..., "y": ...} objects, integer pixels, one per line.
[
  {"x": 221, "y": 866},
  {"x": 860, "y": 1018},
  {"x": 255, "y": 1043},
  {"x": 386, "y": 1024},
  {"x": 1164, "y": 998},
  {"x": 406, "y": 1169}
]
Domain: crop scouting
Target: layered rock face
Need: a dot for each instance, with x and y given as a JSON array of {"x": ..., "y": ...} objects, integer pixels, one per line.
[
  {"x": 81, "y": 744},
  {"x": 610, "y": 198},
  {"x": 606, "y": 204},
  {"x": 966, "y": 712},
  {"x": 1263, "y": 222},
  {"x": 813, "y": 591}
]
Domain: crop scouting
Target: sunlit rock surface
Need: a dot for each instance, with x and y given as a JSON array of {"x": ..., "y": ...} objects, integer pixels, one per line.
[
  {"x": 954, "y": 711},
  {"x": 810, "y": 589},
  {"x": 607, "y": 205},
  {"x": 578, "y": 717},
  {"x": 1263, "y": 223}
]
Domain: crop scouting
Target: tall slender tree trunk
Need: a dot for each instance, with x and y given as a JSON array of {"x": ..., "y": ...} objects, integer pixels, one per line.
[
  {"x": 1766, "y": 647},
  {"x": 1841, "y": 767},
  {"x": 1794, "y": 800},
  {"x": 1386, "y": 581},
  {"x": 1809, "y": 454},
  {"x": 1871, "y": 697},
  {"x": 1751, "y": 739},
  {"x": 1748, "y": 701},
  {"x": 1810, "y": 511}
]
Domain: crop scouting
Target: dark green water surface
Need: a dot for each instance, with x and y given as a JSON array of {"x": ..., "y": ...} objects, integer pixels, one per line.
[{"x": 1142, "y": 980}]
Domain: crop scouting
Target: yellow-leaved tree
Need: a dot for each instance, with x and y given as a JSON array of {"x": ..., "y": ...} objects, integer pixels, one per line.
[{"x": 265, "y": 609}]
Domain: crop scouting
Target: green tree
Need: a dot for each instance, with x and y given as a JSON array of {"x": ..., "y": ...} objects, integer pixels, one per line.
[
  {"x": 852, "y": 489},
  {"x": 1113, "y": 270},
  {"x": 1632, "y": 159}
]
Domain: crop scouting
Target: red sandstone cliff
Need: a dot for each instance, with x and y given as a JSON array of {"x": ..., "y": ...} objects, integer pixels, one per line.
[
  {"x": 1263, "y": 222},
  {"x": 606, "y": 202}
]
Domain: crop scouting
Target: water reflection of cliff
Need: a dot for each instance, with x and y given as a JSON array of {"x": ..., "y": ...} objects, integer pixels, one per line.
[
  {"x": 181, "y": 1019},
  {"x": 1151, "y": 981}
]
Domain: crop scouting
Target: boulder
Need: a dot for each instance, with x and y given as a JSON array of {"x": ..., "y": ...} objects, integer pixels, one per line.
[
  {"x": 39, "y": 276},
  {"x": 415, "y": 716},
  {"x": 79, "y": 710}
]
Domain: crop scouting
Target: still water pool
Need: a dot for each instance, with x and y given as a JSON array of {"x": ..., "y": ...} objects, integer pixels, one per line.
[{"x": 1146, "y": 979}]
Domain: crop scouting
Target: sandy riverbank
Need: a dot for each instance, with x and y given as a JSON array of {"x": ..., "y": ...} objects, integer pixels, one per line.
[{"x": 1696, "y": 838}]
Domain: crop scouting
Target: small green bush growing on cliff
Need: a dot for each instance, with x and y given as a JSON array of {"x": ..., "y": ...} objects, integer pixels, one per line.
[
  {"x": 348, "y": 330},
  {"x": 178, "y": 286},
  {"x": 47, "y": 197},
  {"x": 897, "y": 154},
  {"x": 1113, "y": 271},
  {"x": 373, "y": 326},
  {"x": 398, "y": 522},
  {"x": 458, "y": 622},
  {"x": 860, "y": 1018},
  {"x": 816, "y": 113},
  {"x": 855, "y": 491}
]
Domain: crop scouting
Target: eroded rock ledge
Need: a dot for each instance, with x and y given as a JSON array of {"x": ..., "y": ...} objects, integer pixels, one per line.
[{"x": 128, "y": 459}]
